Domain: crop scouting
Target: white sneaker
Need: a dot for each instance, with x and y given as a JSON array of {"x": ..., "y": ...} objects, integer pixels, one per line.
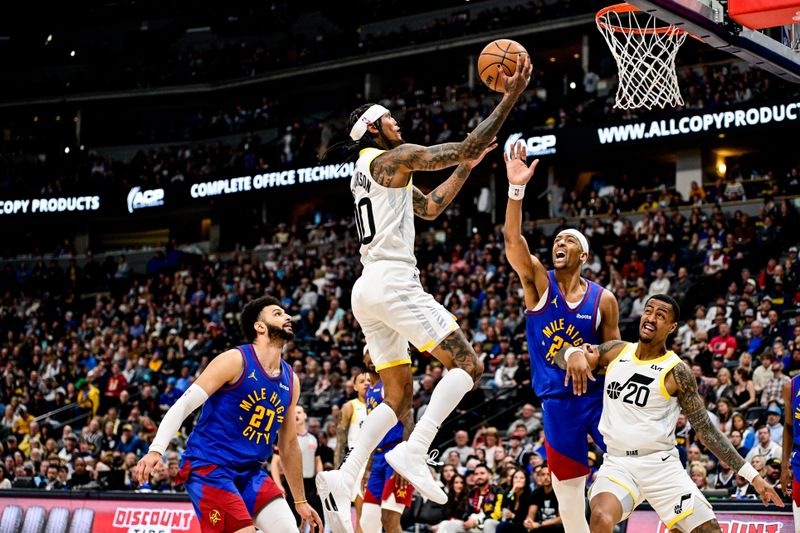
[
  {"x": 412, "y": 465},
  {"x": 335, "y": 498}
]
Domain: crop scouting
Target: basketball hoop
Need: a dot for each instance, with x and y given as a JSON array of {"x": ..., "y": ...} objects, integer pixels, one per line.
[{"x": 645, "y": 51}]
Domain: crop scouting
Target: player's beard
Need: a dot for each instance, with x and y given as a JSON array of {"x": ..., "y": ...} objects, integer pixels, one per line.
[{"x": 279, "y": 333}]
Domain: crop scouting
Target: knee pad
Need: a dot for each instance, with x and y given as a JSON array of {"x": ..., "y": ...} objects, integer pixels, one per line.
[{"x": 371, "y": 518}]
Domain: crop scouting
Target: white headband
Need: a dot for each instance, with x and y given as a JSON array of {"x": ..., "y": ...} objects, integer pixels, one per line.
[
  {"x": 578, "y": 235},
  {"x": 372, "y": 114}
]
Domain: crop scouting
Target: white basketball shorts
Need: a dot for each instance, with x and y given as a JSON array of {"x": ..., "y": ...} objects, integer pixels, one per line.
[
  {"x": 660, "y": 479},
  {"x": 393, "y": 310}
]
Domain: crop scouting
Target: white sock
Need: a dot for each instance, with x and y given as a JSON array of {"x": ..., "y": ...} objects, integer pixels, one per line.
[
  {"x": 446, "y": 396},
  {"x": 571, "y": 496},
  {"x": 376, "y": 425}
]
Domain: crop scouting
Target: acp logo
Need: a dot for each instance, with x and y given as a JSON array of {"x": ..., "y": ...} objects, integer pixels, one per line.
[
  {"x": 137, "y": 198},
  {"x": 537, "y": 145}
]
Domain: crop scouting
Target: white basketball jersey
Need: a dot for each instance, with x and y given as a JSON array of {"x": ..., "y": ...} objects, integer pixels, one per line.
[
  {"x": 384, "y": 216},
  {"x": 356, "y": 421},
  {"x": 639, "y": 415}
]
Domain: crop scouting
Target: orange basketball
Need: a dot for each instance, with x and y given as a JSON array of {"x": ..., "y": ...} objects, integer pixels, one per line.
[{"x": 503, "y": 52}]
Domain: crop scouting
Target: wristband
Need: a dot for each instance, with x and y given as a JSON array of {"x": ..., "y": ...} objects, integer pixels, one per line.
[
  {"x": 748, "y": 472},
  {"x": 298, "y": 502},
  {"x": 571, "y": 350},
  {"x": 516, "y": 192}
]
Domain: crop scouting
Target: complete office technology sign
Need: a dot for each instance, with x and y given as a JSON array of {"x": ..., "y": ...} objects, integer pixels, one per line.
[
  {"x": 271, "y": 180},
  {"x": 709, "y": 122}
]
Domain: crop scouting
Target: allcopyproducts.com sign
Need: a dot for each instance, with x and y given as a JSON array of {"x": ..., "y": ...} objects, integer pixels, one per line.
[
  {"x": 702, "y": 122},
  {"x": 49, "y": 205},
  {"x": 271, "y": 180}
]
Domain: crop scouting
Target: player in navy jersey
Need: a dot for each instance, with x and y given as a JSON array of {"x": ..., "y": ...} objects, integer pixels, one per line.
[
  {"x": 562, "y": 309},
  {"x": 790, "y": 464},
  {"x": 250, "y": 395},
  {"x": 387, "y": 494}
]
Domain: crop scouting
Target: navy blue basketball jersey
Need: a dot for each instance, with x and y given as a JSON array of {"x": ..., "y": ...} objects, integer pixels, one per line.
[
  {"x": 557, "y": 324},
  {"x": 239, "y": 423}
]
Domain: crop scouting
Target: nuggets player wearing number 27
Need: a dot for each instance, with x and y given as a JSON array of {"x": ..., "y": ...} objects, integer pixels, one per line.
[
  {"x": 563, "y": 309},
  {"x": 250, "y": 394}
]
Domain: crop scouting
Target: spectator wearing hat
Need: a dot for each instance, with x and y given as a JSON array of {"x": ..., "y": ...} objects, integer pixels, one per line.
[
  {"x": 773, "y": 474},
  {"x": 128, "y": 442},
  {"x": 22, "y": 425},
  {"x": 775, "y": 424},
  {"x": 716, "y": 262},
  {"x": 88, "y": 395}
]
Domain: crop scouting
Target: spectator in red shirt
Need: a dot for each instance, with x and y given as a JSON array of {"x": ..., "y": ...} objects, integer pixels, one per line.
[
  {"x": 115, "y": 385},
  {"x": 635, "y": 265},
  {"x": 724, "y": 344}
]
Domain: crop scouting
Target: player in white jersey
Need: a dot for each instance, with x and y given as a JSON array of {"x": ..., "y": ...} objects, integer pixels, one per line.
[
  {"x": 388, "y": 300},
  {"x": 646, "y": 387}
]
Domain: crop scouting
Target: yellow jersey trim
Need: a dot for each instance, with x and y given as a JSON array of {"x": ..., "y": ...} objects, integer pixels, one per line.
[
  {"x": 626, "y": 349},
  {"x": 624, "y": 486},
  {"x": 406, "y": 361},
  {"x": 680, "y": 517},
  {"x": 664, "y": 391},
  {"x": 652, "y": 361}
]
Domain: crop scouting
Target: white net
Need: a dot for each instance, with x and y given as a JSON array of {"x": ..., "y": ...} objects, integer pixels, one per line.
[{"x": 645, "y": 52}]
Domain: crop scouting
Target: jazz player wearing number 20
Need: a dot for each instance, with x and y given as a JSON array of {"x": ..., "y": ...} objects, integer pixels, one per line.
[
  {"x": 388, "y": 299},
  {"x": 646, "y": 387},
  {"x": 250, "y": 395},
  {"x": 562, "y": 309}
]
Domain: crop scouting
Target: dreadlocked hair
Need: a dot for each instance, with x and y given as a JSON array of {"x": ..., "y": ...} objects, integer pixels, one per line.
[{"x": 350, "y": 148}]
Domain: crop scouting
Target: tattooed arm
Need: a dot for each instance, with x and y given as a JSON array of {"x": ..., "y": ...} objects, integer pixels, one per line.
[
  {"x": 681, "y": 382},
  {"x": 595, "y": 356},
  {"x": 393, "y": 168},
  {"x": 341, "y": 434},
  {"x": 430, "y": 206},
  {"x": 580, "y": 365}
]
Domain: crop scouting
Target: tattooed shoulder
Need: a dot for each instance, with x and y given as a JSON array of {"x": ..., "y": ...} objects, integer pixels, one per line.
[
  {"x": 684, "y": 378},
  {"x": 607, "y": 346}
]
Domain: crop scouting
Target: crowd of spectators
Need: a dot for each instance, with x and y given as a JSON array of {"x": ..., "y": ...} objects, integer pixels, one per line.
[
  {"x": 93, "y": 355},
  {"x": 243, "y": 51}
]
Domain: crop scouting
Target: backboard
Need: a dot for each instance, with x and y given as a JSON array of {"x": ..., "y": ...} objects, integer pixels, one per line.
[{"x": 776, "y": 50}]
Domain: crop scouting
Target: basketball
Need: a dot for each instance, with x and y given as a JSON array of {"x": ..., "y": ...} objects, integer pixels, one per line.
[{"x": 503, "y": 52}]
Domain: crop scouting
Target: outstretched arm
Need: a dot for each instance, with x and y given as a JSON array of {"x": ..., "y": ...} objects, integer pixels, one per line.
[
  {"x": 681, "y": 380},
  {"x": 392, "y": 168},
  {"x": 430, "y": 206},
  {"x": 527, "y": 266}
]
